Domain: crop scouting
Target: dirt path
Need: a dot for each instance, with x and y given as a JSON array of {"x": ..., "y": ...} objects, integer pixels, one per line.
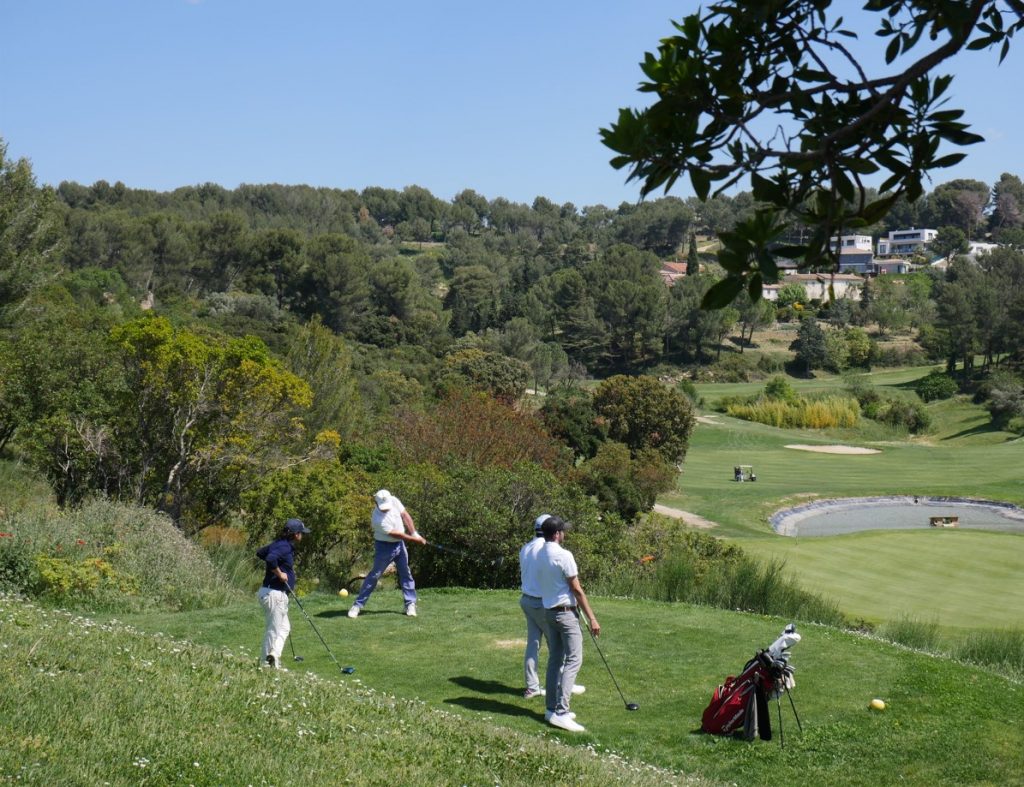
[{"x": 691, "y": 519}]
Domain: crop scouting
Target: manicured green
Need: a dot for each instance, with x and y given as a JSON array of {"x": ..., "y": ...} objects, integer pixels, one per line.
[
  {"x": 946, "y": 723},
  {"x": 962, "y": 579}
]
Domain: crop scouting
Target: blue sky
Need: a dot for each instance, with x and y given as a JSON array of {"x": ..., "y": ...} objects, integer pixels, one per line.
[{"x": 502, "y": 98}]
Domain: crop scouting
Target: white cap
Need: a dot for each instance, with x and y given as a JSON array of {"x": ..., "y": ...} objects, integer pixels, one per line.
[
  {"x": 382, "y": 497},
  {"x": 539, "y": 522}
]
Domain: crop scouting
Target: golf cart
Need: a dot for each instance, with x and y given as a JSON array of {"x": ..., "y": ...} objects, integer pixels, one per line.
[{"x": 744, "y": 473}]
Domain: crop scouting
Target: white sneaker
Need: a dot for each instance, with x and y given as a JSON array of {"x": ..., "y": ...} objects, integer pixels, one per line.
[
  {"x": 549, "y": 713},
  {"x": 353, "y": 611},
  {"x": 578, "y": 689},
  {"x": 529, "y": 694},
  {"x": 562, "y": 721},
  {"x": 410, "y": 610}
]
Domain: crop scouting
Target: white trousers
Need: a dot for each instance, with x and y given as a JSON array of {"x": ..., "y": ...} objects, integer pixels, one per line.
[{"x": 275, "y": 610}]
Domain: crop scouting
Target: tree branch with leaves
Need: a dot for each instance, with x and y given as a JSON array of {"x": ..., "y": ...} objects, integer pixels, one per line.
[{"x": 770, "y": 91}]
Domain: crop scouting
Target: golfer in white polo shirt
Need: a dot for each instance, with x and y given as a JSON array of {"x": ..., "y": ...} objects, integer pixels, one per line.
[{"x": 563, "y": 598}]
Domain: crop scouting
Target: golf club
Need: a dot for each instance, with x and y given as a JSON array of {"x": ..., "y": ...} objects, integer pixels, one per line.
[
  {"x": 294, "y": 657},
  {"x": 442, "y": 548},
  {"x": 345, "y": 670},
  {"x": 629, "y": 705}
]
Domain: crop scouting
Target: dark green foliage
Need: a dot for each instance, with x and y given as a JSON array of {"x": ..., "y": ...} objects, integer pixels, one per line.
[
  {"x": 1004, "y": 392},
  {"x": 948, "y": 242},
  {"x": 498, "y": 375},
  {"x": 642, "y": 413},
  {"x": 623, "y": 483},
  {"x": 488, "y": 512},
  {"x": 935, "y": 386},
  {"x": 569, "y": 415},
  {"x": 810, "y": 346}
]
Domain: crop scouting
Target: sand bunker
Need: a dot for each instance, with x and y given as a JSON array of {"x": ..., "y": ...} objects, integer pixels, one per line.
[{"x": 835, "y": 449}]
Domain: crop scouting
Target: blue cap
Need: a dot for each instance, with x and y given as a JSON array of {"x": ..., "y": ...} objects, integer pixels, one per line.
[{"x": 296, "y": 526}]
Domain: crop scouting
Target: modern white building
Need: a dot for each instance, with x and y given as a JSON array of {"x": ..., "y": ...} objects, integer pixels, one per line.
[
  {"x": 848, "y": 243},
  {"x": 905, "y": 241}
]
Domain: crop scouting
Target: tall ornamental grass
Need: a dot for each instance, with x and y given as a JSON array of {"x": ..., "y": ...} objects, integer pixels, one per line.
[
  {"x": 683, "y": 565},
  {"x": 913, "y": 632},
  {"x": 830, "y": 412},
  {"x": 1002, "y": 649}
]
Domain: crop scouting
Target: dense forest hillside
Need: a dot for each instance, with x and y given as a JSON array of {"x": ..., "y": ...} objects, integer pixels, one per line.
[{"x": 229, "y": 357}]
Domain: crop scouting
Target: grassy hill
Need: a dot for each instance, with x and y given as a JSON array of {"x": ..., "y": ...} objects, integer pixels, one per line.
[{"x": 104, "y": 702}]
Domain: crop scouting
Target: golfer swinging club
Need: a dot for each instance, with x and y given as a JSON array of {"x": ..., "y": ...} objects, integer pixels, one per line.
[
  {"x": 278, "y": 579},
  {"x": 392, "y": 528}
]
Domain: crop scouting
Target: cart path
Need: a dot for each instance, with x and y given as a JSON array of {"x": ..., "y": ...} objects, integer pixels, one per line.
[{"x": 691, "y": 519}]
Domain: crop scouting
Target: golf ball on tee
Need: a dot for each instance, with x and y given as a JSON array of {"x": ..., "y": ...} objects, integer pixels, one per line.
[
  {"x": 343, "y": 592},
  {"x": 878, "y": 704}
]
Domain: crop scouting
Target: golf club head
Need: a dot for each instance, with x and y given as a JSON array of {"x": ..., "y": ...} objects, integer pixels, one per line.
[
  {"x": 632, "y": 706},
  {"x": 298, "y": 658},
  {"x": 348, "y": 670}
]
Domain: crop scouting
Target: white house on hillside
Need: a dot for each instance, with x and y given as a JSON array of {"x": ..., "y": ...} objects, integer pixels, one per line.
[
  {"x": 845, "y": 285},
  {"x": 905, "y": 241}
]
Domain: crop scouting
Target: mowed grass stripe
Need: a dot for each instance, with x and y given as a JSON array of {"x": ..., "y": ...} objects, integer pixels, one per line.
[{"x": 963, "y": 579}]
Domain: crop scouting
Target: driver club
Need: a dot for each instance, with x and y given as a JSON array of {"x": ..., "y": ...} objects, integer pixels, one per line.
[
  {"x": 463, "y": 553},
  {"x": 629, "y": 705},
  {"x": 309, "y": 620}
]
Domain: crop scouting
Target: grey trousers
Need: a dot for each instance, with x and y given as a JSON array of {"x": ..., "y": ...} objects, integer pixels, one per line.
[
  {"x": 565, "y": 657},
  {"x": 536, "y": 627}
]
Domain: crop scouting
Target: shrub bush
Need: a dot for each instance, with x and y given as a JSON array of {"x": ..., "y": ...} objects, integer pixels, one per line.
[
  {"x": 771, "y": 363},
  {"x": 894, "y": 355},
  {"x": 935, "y": 386},
  {"x": 110, "y": 555},
  {"x": 488, "y": 513},
  {"x": 734, "y": 368},
  {"x": 16, "y": 562},
  {"x": 902, "y": 414}
]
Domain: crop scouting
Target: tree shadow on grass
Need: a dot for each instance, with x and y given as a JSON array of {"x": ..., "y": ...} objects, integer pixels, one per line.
[
  {"x": 487, "y": 705},
  {"x": 340, "y": 613},
  {"x": 484, "y": 705},
  {"x": 986, "y": 428},
  {"x": 486, "y": 686}
]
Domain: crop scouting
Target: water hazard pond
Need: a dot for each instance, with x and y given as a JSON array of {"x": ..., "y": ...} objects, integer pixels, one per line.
[{"x": 854, "y": 514}]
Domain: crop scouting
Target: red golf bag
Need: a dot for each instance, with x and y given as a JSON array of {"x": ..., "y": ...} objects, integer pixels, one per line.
[{"x": 739, "y": 706}]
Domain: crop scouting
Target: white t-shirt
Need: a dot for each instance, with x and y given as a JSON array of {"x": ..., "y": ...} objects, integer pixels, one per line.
[
  {"x": 528, "y": 566},
  {"x": 555, "y": 567},
  {"x": 387, "y": 522}
]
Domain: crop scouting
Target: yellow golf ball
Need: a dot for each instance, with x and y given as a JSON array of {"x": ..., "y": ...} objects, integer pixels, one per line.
[
  {"x": 878, "y": 704},
  {"x": 343, "y": 592}
]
